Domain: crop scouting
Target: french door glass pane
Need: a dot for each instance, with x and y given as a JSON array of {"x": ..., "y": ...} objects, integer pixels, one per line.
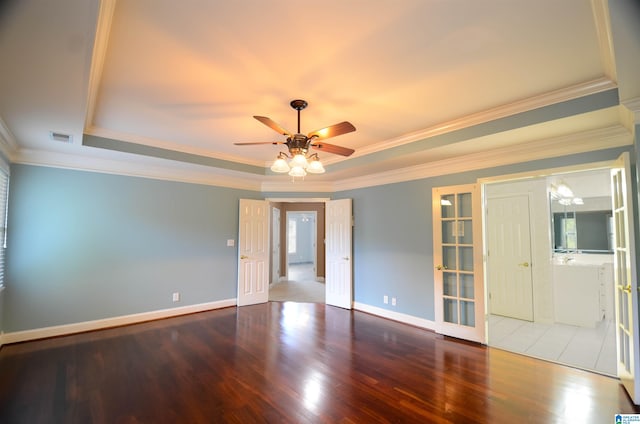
[
  {"x": 447, "y": 205},
  {"x": 448, "y": 232},
  {"x": 449, "y": 257},
  {"x": 465, "y": 232},
  {"x": 450, "y": 310},
  {"x": 466, "y": 259},
  {"x": 467, "y": 313},
  {"x": 450, "y": 285},
  {"x": 464, "y": 205},
  {"x": 466, "y": 286}
]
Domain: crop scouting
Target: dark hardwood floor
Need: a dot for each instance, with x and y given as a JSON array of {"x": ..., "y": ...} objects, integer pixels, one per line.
[{"x": 290, "y": 363}]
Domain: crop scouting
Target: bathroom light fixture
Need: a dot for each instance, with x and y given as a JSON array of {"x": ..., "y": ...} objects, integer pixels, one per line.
[{"x": 564, "y": 190}]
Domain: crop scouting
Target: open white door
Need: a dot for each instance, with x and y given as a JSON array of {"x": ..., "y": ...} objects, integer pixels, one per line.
[
  {"x": 253, "y": 251},
  {"x": 457, "y": 255},
  {"x": 625, "y": 283},
  {"x": 338, "y": 285}
]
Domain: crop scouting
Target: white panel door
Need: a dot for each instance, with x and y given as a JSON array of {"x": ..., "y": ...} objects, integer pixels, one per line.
[
  {"x": 509, "y": 257},
  {"x": 626, "y": 285},
  {"x": 457, "y": 254},
  {"x": 253, "y": 251},
  {"x": 338, "y": 284}
]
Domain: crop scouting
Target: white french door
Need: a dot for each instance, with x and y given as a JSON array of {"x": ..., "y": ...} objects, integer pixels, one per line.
[
  {"x": 625, "y": 283},
  {"x": 253, "y": 251},
  {"x": 457, "y": 255},
  {"x": 338, "y": 239},
  {"x": 509, "y": 257}
]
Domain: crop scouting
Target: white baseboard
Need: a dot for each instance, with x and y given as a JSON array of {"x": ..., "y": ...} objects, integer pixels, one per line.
[
  {"x": 396, "y": 316},
  {"x": 62, "y": 330}
]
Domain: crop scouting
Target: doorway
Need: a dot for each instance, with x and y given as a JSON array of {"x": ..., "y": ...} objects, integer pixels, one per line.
[
  {"x": 580, "y": 335},
  {"x": 301, "y": 236},
  {"x": 300, "y": 260}
]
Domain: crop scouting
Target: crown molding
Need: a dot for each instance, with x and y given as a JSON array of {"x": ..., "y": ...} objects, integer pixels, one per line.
[
  {"x": 634, "y": 106},
  {"x": 586, "y": 141},
  {"x": 297, "y": 186},
  {"x": 602, "y": 21},
  {"x": 100, "y": 45},
  {"x": 152, "y": 142},
  {"x": 156, "y": 169},
  {"x": 531, "y": 103}
]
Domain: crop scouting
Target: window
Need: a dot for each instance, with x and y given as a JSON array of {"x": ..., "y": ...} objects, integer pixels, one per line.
[
  {"x": 4, "y": 197},
  {"x": 291, "y": 242}
]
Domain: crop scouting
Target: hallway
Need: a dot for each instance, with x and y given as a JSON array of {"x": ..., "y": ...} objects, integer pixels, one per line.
[{"x": 301, "y": 286}]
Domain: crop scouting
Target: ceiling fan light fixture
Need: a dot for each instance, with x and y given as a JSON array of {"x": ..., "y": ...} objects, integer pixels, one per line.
[
  {"x": 315, "y": 166},
  {"x": 299, "y": 161},
  {"x": 297, "y": 171},
  {"x": 280, "y": 165}
]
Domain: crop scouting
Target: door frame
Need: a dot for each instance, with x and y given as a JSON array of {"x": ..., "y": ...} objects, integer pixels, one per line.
[{"x": 609, "y": 164}]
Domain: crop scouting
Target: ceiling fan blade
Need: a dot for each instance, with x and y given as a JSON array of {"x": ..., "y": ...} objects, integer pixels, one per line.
[
  {"x": 272, "y": 124},
  {"x": 333, "y": 130},
  {"x": 259, "y": 142},
  {"x": 332, "y": 148}
]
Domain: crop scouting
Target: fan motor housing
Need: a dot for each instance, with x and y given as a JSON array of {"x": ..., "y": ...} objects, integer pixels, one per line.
[{"x": 298, "y": 143}]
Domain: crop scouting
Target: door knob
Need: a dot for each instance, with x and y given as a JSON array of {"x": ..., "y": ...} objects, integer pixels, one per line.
[
  {"x": 524, "y": 264},
  {"x": 346, "y": 258},
  {"x": 627, "y": 288},
  {"x": 441, "y": 267},
  {"x": 244, "y": 257}
]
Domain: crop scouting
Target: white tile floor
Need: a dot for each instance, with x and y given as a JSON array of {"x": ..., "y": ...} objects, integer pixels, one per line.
[{"x": 592, "y": 349}]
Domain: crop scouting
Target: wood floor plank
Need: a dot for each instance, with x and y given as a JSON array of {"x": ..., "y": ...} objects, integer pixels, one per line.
[{"x": 290, "y": 363}]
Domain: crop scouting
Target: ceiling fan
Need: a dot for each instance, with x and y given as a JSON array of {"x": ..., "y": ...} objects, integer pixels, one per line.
[{"x": 299, "y": 144}]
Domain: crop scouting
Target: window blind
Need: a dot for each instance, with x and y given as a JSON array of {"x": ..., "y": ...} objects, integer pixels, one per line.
[{"x": 4, "y": 196}]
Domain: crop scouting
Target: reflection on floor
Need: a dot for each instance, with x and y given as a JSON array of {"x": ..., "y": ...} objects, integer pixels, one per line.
[
  {"x": 592, "y": 349},
  {"x": 301, "y": 286}
]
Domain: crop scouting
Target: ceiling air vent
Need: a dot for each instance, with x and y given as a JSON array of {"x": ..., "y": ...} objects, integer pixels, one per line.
[{"x": 61, "y": 137}]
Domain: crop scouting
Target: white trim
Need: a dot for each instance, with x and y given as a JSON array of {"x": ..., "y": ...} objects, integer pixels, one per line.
[
  {"x": 396, "y": 316},
  {"x": 535, "y": 102},
  {"x": 61, "y": 330},
  {"x": 586, "y": 141},
  {"x": 206, "y": 176},
  {"x": 296, "y": 186},
  {"x": 540, "y": 173},
  {"x": 100, "y": 45},
  {"x": 634, "y": 106},
  {"x": 546, "y": 99},
  {"x": 174, "y": 147},
  {"x": 162, "y": 169},
  {"x": 298, "y": 199},
  {"x": 602, "y": 20}
]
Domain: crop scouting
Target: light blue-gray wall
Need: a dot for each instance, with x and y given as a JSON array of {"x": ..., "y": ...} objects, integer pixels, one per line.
[{"x": 85, "y": 246}]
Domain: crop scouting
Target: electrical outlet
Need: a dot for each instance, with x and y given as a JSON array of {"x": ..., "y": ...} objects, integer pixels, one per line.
[
  {"x": 393, "y": 301},
  {"x": 176, "y": 297},
  {"x": 385, "y": 299}
]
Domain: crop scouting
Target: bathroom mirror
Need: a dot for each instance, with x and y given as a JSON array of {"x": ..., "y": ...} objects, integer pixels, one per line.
[{"x": 584, "y": 228}]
